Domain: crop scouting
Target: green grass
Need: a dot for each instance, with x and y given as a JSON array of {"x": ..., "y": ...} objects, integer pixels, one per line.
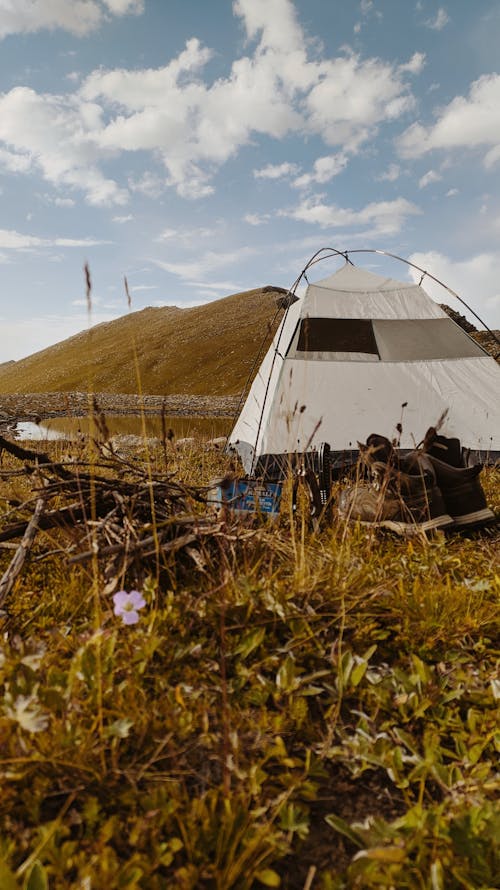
[{"x": 310, "y": 709}]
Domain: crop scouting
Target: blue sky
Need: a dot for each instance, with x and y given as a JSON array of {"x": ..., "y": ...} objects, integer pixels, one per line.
[{"x": 202, "y": 148}]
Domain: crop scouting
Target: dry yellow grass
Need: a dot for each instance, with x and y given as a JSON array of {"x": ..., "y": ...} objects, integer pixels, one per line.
[{"x": 207, "y": 350}]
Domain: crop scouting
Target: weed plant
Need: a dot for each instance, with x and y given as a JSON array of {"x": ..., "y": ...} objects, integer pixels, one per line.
[{"x": 304, "y": 708}]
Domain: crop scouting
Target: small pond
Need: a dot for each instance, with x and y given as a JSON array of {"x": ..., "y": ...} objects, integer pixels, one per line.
[{"x": 124, "y": 425}]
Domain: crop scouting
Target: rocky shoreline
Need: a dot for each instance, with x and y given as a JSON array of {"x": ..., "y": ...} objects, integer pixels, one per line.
[{"x": 18, "y": 407}]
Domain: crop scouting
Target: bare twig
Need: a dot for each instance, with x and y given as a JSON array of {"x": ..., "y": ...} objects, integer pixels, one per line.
[
  {"x": 17, "y": 562},
  {"x": 129, "y": 517}
]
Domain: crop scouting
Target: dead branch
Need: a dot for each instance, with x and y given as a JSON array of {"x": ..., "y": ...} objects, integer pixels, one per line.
[
  {"x": 126, "y": 517},
  {"x": 17, "y": 562}
]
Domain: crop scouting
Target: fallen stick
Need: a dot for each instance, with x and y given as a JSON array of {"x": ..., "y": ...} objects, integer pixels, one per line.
[
  {"x": 55, "y": 519},
  {"x": 133, "y": 548},
  {"x": 17, "y": 562}
]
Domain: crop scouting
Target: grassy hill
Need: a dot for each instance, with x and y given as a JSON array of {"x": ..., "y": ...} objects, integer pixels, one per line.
[{"x": 206, "y": 350}]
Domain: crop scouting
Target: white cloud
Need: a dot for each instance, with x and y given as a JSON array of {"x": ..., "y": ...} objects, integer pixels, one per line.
[
  {"x": 466, "y": 122},
  {"x": 123, "y": 219},
  {"x": 205, "y": 263},
  {"x": 125, "y": 7},
  {"x": 352, "y": 97},
  {"x": 166, "y": 234},
  {"x": 193, "y": 126},
  {"x": 439, "y": 21},
  {"x": 148, "y": 88},
  {"x": 64, "y": 202},
  {"x": 492, "y": 157},
  {"x": 56, "y": 132},
  {"x": 366, "y": 8},
  {"x": 275, "y": 21},
  {"x": 25, "y": 16},
  {"x": 14, "y": 162},
  {"x": 452, "y": 192},
  {"x": 140, "y": 287},
  {"x": 56, "y": 200},
  {"x": 475, "y": 280},
  {"x": 392, "y": 173},
  {"x": 12, "y": 240},
  {"x": 324, "y": 169},
  {"x": 415, "y": 65},
  {"x": 428, "y": 178},
  {"x": 257, "y": 219},
  {"x": 386, "y": 217},
  {"x": 149, "y": 184},
  {"x": 79, "y": 17},
  {"x": 186, "y": 237},
  {"x": 215, "y": 288},
  {"x": 276, "y": 171}
]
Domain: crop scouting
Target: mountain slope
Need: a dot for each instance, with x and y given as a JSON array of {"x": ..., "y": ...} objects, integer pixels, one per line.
[{"x": 206, "y": 350}]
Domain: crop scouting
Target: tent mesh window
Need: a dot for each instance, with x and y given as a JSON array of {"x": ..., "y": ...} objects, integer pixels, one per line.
[
  {"x": 406, "y": 340},
  {"x": 336, "y": 335}
]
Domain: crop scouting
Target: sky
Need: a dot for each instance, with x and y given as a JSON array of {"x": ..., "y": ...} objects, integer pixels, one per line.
[{"x": 202, "y": 147}]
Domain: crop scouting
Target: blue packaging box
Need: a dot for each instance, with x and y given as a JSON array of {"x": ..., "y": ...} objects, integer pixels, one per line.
[{"x": 251, "y": 496}]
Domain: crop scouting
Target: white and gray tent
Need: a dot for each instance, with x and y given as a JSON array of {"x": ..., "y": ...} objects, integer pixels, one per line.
[{"x": 357, "y": 354}]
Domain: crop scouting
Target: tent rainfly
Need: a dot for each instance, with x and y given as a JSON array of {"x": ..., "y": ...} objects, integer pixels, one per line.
[{"x": 358, "y": 354}]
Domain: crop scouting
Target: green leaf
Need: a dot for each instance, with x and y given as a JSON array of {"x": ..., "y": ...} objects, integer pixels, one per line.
[
  {"x": 437, "y": 876},
  {"x": 286, "y": 675},
  {"x": 342, "y": 827},
  {"x": 120, "y": 729},
  {"x": 424, "y": 673},
  {"x": 250, "y": 641},
  {"x": 130, "y": 877},
  {"x": 369, "y": 652},
  {"x": 382, "y": 854},
  {"x": 345, "y": 668},
  {"x": 38, "y": 878},
  {"x": 268, "y": 877},
  {"x": 358, "y": 671}
]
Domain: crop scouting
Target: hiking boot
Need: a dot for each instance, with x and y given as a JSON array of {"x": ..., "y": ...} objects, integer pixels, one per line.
[
  {"x": 378, "y": 449},
  {"x": 398, "y": 500},
  {"x": 447, "y": 450},
  {"x": 381, "y": 508},
  {"x": 463, "y": 493},
  {"x": 460, "y": 486}
]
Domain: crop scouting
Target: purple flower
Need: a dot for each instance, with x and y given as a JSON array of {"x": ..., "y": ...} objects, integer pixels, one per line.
[{"x": 127, "y": 605}]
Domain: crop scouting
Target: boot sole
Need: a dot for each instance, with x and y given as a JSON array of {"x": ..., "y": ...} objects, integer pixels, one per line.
[
  {"x": 401, "y": 528},
  {"x": 484, "y": 515}
]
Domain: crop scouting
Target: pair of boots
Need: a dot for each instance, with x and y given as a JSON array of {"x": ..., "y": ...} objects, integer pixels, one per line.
[{"x": 429, "y": 488}]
